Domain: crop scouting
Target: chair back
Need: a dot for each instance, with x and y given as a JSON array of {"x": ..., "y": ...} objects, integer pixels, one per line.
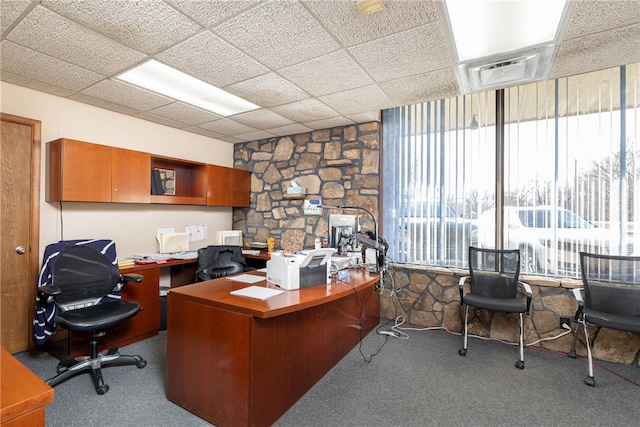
[
  {"x": 494, "y": 272},
  {"x": 219, "y": 261},
  {"x": 611, "y": 283},
  {"x": 83, "y": 274}
]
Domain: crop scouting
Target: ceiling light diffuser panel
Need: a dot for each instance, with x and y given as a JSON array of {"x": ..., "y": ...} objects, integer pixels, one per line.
[
  {"x": 501, "y": 43},
  {"x": 160, "y": 78}
]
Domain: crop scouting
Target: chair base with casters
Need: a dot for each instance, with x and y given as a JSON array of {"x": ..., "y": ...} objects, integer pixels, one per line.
[
  {"x": 93, "y": 363},
  {"x": 494, "y": 280},
  {"x": 95, "y": 319}
]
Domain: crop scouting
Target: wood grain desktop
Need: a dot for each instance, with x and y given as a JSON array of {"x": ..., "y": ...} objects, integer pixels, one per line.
[{"x": 239, "y": 361}]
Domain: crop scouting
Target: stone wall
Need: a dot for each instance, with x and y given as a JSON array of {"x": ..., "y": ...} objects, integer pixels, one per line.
[
  {"x": 340, "y": 165},
  {"x": 429, "y": 297}
]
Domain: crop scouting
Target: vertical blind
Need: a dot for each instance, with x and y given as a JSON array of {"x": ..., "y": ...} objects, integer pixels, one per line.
[{"x": 570, "y": 173}]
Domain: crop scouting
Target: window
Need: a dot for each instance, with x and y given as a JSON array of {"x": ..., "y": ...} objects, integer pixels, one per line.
[{"x": 567, "y": 177}]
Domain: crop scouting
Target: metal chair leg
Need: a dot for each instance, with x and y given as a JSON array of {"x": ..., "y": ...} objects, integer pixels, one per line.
[
  {"x": 463, "y": 350},
  {"x": 520, "y": 362},
  {"x": 590, "y": 381}
]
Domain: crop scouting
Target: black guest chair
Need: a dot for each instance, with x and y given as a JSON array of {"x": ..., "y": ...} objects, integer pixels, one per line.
[
  {"x": 80, "y": 279},
  {"x": 611, "y": 297},
  {"x": 494, "y": 280},
  {"x": 219, "y": 261}
]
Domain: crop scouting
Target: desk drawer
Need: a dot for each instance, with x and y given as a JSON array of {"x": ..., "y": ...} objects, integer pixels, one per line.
[{"x": 148, "y": 289}]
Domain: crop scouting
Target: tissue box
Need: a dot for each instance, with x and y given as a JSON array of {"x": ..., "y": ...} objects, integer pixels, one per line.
[{"x": 296, "y": 190}]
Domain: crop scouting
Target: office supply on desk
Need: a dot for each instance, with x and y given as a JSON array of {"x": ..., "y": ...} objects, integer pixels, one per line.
[
  {"x": 246, "y": 278},
  {"x": 258, "y": 292},
  {"x": 185, "y": 255},
  {"x": 169, "y": 243},
  {"x": 229, "y": 237},
  {"x": 300, "y": 270}
]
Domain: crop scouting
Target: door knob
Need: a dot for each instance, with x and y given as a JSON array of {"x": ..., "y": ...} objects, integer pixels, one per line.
[{"x": 20, "y": 250}]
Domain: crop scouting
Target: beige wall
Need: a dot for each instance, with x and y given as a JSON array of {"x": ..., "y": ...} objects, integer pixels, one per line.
[{"x": 131, "y": 226}]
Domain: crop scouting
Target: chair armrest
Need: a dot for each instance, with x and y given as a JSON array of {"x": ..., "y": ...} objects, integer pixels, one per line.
[
  {"x": 132, "y": 277},
  {"x": 527, "y": 289},
  {"x": 461, "y": 283},
  {"x": 49, "y": 290},
  {"x": 578, "y": 295}
]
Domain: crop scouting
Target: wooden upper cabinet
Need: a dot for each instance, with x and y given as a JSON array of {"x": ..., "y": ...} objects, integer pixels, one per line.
[
  {"x": 130, "y": 176},
  {"x": 227, "y": 186},
  {"x": 240, "y": 181},
  {"x": 78, "y": 171},
  {"x": 85, "y": 172}
]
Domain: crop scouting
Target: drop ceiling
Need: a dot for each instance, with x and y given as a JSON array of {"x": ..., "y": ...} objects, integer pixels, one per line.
[{"x": 309, "y": 65}]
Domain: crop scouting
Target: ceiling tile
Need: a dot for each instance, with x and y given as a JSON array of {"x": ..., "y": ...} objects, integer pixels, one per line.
[
  {"x": 597, "y": 52},
  {"x": 10, "y": 11},
  {"x": 278, "y": 34},
  {"x": 410, "y": 52},
  {"x": 204, "y": 132},
  {"x": 305, "y": 110},
  {"x": 289, "y": 130},
  {"x": 43, "y": 68},
  {"x": 424, "y": 87},
  {"x": 51, "y": 34},
  {"x": 268, "y": 90},
  {"x": 227, "y": 127},
  {"x": 34, "y": 84},
  {"x": 211, "y": 12},
  {"x": 162, "y": 120},
  {"x": 364, "y": 117},
  {"x": 86, "y": 99},
  {"x": 327, "y": 74},
  {"x": 261, "y": 119},
  {"x": 127, "y": 95},
  {"x": 253, "y": 136},
  {"x": 588, "y": 17},
  {"x": 184, "y": 113},
  {"x": 368, "y": 98},
  {"x": 211, "y": 59},
  {"x": 345, "y": 20},
  {"x": 146, "y": 26},
  {"x": 328, "y": 123}
]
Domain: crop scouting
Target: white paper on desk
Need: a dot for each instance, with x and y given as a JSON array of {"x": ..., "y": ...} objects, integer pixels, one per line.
[
  {"x": 246, "y": 278},
  {"x": 258, "y": 292}
]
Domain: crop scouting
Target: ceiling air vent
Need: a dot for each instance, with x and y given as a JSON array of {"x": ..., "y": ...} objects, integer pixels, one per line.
[{"x": 506, "y": 70}]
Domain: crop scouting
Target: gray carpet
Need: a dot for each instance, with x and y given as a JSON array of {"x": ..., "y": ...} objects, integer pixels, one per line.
[{"x": 420, "y": 381}]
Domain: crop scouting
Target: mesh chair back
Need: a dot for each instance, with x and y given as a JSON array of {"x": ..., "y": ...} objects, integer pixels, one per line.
[
  {"x": 83, "y": 273},
  {"x": 494, "y": 273},
  {"x": 219, "y": 261},
  {"x": 611, "y": 283}
]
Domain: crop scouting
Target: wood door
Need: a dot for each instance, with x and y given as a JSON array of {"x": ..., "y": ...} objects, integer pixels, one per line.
[
  {"x": 240, "y": 181},
  {"x": 19, "y": 222},
  {"x": 218, "y": 186}
]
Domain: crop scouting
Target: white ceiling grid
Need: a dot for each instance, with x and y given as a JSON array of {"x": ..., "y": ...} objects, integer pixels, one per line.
[{"x": 308, "y": 64}]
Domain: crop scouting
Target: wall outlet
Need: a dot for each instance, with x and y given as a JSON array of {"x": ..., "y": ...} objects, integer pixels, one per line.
[{"x": 564, "y": 320}]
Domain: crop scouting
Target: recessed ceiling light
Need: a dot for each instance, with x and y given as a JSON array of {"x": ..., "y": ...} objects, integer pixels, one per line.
[{"x": 168, "y": 81}]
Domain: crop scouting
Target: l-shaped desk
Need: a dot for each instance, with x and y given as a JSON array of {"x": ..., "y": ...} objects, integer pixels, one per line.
[{"x": 239, "y": 361}]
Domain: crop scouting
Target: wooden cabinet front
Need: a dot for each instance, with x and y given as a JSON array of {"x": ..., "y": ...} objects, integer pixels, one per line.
[
  {"x": 228, "y": 186},
  {"x": 78, "y": 171},
  {"x": 130, "y": 176}
]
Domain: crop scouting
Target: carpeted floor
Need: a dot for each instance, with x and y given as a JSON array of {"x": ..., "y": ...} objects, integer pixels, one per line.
[{"x": 420, "y": 381}]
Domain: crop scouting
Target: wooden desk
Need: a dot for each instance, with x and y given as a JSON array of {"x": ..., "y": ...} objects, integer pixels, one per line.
[
  {"x": 238, "y": 361},
  {"x": 23, "y": 395},
  {"x": 259, "y": 260}
]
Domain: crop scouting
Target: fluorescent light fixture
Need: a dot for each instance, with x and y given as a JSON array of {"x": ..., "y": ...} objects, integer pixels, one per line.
[
  {"x": 498, "y": 43},
  {"x": 168, "y": 81}
]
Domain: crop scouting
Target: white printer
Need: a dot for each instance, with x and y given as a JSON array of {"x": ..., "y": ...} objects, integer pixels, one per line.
[{"x": 307, "y": 268}]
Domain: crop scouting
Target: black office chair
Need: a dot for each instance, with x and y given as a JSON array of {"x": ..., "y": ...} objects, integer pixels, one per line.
[
  {"x": 494, "y": 285},
  {"x": 219, "y": 261},
  {"x": 80, "y": 278},
  {"x": 611, "y": 298}
]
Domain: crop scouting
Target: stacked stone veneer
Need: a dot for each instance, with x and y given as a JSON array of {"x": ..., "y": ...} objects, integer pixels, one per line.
[
  {"x": 341, "y": 166},
  {"x": 430, "y": 297}
]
